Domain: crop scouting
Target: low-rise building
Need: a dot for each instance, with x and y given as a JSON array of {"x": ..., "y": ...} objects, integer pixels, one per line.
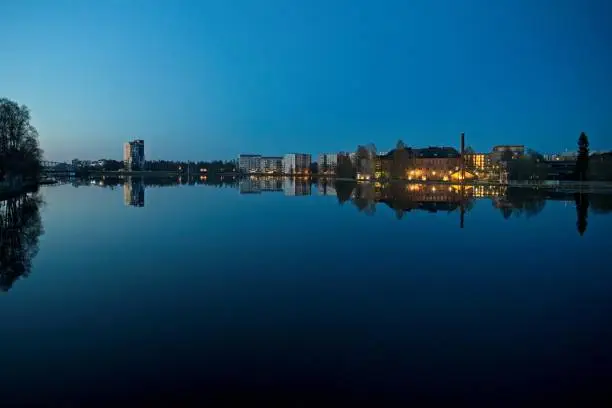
[
  {"x": 498, "y": 152},
  {"x": 564, "y": 156},
  {"x": 296, "y": 163},
  {"x": 435, "y": 163},
  {"x": 249, "y": 163}
]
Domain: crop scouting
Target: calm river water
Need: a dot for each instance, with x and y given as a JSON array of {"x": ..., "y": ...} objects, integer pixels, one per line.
[{"x": 274, "y": 289}]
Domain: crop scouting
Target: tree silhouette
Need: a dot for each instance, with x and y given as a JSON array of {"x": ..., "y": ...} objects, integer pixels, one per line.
[
  {"x": 344, "y": 190},
  {"x": 582, "y": 162},
  {"x": 345, "y": 167},
  {"x": 582, "y": 212},
  {"x": 20, "y": 154},
  {"x": 20, "y": 228}
]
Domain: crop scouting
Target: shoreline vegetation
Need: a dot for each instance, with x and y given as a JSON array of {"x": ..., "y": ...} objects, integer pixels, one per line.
[
  {"x": 21, "y": 168},
  {"x": 20, "y": 153}
]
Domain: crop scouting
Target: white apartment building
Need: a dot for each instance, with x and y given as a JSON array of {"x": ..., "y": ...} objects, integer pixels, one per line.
[
  {"x": 271, "y": 165},
  {"x": 328, "y": 163},
  {"x": 249, "y": 163},
  {"x": 296, "y": 163}
]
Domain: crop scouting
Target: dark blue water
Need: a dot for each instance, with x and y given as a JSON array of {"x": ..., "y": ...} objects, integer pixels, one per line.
[{"x": 274, "y": 291}]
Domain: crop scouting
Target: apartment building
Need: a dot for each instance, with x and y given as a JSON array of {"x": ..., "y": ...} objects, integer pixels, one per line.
[
  {"x": 271, "y": 165},
  {"x": 296, "y": 163},
  {"x": 249, "y": 163},
  {"x": 328, "y": 163}
]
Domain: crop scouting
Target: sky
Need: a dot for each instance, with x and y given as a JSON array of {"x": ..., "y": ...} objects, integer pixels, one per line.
[{"x": 203, "y": 80}]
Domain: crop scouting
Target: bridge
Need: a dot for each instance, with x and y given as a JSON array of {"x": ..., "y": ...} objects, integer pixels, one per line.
[{"x": 51, "y": 167}]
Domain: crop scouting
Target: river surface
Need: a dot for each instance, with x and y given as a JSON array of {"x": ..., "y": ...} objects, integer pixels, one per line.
[{"x": 292, "y": 291}]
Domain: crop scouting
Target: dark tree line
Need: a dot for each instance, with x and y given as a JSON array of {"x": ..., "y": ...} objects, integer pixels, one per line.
[{"x": 20, "y": 154}]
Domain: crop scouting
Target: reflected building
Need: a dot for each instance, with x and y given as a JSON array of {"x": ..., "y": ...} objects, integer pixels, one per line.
[
  {"x": 427, "y": 197},
  {"x": 257, "y": 185},
  {"x": 272, "y": 184},
  {"x": 134, "y": 192},
  {"x": 296, "y": 187},
  {"x": 249, "y": 185},
  {"x": 326, "y": 189}
]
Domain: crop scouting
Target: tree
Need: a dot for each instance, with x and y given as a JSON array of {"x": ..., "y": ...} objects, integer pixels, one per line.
[
  {"x": 582, "y": 162},
  {"x": 527, "y": 168},
  {"x": 600, "y": 166},
  {"x": 582, "y": 211},
  {"x": 366, "y": 158},
  {"x": 535, "y": 155},
  {"x": 400, "y": 162},
  {"x": 400, "y": 145},
  {"x": 345, "y": 168},
  {"x": 344, "y": 190},
  {"x": 20, "y": 154},
  {"x": 314, "y": 168},
  {"x": 20, "y": 229}
]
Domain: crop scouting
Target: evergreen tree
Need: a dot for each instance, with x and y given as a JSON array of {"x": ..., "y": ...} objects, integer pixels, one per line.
[
  {"x": 582, "y": 162},
  {"x": 582, "y": 211}
]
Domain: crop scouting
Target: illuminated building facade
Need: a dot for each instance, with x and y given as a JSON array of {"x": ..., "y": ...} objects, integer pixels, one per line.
[
  {"x": 134, "y": 155},
  {"x": 435, "y": 163},
  {"x": 271, "y": 165},
  {"x": 296, "y": 163},
  {"x": 328, "y": 163},
  {"x": 134, "y": 192},
  {"x": 249, "y": 163},
  {"x": 498, "y": 152},
  {"x": 476, "y": 161}
]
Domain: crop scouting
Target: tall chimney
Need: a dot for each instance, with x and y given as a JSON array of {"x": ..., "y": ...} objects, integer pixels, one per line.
[{"x": 462, "y": 156}]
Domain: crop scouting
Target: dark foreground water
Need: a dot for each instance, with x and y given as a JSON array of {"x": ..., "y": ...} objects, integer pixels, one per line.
[{"x": 272, "y": 290}]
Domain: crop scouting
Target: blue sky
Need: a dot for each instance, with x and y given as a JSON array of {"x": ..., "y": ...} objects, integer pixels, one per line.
[{"x": 211, "y": 79}]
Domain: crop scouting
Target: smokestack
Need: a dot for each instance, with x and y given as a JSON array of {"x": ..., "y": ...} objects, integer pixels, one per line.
[{"x": 462, "y": 157}]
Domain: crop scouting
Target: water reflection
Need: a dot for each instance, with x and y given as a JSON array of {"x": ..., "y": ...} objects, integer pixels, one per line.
[
  {"x": 20, "y": 228},
  {"x": 134, "y": 192},
  {"x": 402, "y": 198},
  {"x": 254, "y": 185}
]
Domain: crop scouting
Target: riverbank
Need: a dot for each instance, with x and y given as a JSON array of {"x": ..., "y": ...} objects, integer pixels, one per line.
[
  {"x": 10, "y": 192},
  {"x": 132, "y": 173}
]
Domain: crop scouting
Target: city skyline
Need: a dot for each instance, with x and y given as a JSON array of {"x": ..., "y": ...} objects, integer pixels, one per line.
[{"x": 210, "y": 80}]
